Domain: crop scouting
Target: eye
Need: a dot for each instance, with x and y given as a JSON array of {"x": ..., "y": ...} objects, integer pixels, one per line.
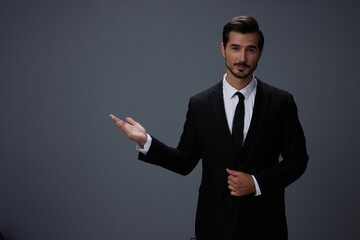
[
  {"x": 251, "y": 50},
  {"x": 235, "y": 48}
]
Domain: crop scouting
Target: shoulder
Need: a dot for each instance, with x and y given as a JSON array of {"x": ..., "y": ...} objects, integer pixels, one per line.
[
  {"x": 278, "y": 98},
  {"x": 266, "y": 87},
  {"x": 204, "y": 95},
  {"x": 275, "y": 93}
]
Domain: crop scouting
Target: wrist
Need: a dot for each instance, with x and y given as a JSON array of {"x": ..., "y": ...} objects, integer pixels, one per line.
[{"x": 143, "y": 142}]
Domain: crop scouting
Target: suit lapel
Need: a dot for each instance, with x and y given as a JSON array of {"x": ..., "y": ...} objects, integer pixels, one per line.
[
  {"x": 260, "y": 106},
  {"x": 217, "y": 103}
]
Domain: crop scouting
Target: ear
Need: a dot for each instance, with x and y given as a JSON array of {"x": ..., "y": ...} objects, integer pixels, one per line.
[
  {"x": 223, "y": 49},
  {"x": 261, "y": 51}
]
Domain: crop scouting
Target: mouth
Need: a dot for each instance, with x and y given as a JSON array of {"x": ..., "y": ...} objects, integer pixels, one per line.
[{"x": 241, "y": 66}]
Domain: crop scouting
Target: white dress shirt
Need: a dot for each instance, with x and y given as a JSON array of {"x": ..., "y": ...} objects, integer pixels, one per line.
[{"x": 230, "y": 102}]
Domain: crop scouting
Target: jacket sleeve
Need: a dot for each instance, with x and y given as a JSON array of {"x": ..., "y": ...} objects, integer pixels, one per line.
[
  {"x": 293, "y": 152},
  {"x": 182, "y": 159}
]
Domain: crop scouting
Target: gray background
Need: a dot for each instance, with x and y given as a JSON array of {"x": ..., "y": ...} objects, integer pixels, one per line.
[{"x": 67, "y": 172}]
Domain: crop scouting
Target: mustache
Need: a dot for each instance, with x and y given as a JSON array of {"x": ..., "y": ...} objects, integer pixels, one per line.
[{"x": 241, "y": 64}]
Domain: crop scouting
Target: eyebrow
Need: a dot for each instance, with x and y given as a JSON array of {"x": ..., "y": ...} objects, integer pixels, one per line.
[{"x": 237, "y": 45}]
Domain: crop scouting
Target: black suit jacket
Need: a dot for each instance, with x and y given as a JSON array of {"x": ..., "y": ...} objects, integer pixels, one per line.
[{"x": 274, "y": 130}]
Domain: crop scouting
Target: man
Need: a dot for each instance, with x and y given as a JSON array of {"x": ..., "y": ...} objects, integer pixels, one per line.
[{"x": 239, "y": 128}]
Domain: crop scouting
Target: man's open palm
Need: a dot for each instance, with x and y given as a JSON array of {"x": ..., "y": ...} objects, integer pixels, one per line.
[{"x": 132, "y": 129}]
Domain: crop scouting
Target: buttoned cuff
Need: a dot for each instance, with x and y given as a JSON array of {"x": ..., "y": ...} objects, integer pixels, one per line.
[
  {"x": 146, "y": 145},
  {"x": 258, "y": 192}
]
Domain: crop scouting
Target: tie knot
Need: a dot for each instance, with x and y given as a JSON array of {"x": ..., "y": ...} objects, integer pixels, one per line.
[{"x": 240, "y": 95}]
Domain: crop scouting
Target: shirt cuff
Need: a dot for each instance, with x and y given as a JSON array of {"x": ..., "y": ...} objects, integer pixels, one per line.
[
  {"x": 258, "y": 192},
  {"x": 146, "y": 146}
]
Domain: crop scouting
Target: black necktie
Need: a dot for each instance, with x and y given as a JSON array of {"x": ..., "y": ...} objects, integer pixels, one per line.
[{"x": 238, "y": 123}]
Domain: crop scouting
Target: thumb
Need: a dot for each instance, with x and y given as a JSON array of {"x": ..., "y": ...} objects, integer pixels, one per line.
[
  {"x": 231, "y": 172},
  {"x": 234, "y": 173},
  {"x": 130, "y": 120}
]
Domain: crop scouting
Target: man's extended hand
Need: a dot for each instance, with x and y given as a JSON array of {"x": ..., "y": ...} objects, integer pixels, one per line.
[
  {"x": 132, "y": 129},
  {"x": 240, "y": 183}
]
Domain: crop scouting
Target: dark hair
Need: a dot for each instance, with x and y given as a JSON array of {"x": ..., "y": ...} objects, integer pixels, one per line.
[{"x": 242, "y": 24}]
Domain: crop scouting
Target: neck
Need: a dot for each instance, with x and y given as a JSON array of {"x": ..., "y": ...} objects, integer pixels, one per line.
[{"x": 238, "y": 83}]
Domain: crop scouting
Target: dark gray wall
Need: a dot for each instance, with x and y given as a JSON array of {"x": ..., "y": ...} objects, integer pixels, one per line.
[{"x": 67, "y": 172}]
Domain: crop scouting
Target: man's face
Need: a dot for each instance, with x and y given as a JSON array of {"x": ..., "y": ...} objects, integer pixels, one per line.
[{"x": 241, "y": 54}]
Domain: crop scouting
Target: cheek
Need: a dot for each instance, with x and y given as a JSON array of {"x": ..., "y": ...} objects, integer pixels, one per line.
[
  {"x": 253, "y": 60},
  {"x": 230, "y": 59}
]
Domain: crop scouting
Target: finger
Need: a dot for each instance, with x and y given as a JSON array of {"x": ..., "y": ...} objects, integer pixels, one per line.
[
  {"x": 120, "y": 123},
  {"x": 130, "y": 120},
  {"x": 233, "y": 193},
  {"x": 234, "y": 185},
  {"x": 113, "y": 117},
  {"x": 232, "y": 178},
  {"x": 117, "y": 120},
  {"x": 232, "y": 188}
]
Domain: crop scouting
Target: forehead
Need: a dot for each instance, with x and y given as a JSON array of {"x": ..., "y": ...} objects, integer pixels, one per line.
[{"x": 243, "y": 39}]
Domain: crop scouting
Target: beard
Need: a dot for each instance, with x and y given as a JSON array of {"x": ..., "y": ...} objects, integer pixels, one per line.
[{"x": 243, "y": 74}]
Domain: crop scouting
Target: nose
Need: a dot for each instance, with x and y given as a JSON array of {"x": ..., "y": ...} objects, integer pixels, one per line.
[{"x": 242, "y": 56}]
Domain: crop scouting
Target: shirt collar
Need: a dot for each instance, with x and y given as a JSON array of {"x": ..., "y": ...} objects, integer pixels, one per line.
[{"x": 229, "y": 90}]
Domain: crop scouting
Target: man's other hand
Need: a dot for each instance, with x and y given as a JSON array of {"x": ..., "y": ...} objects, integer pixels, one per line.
[
  {"x": 132, "y": 129},
  {"x": 240, "y": 183}
]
